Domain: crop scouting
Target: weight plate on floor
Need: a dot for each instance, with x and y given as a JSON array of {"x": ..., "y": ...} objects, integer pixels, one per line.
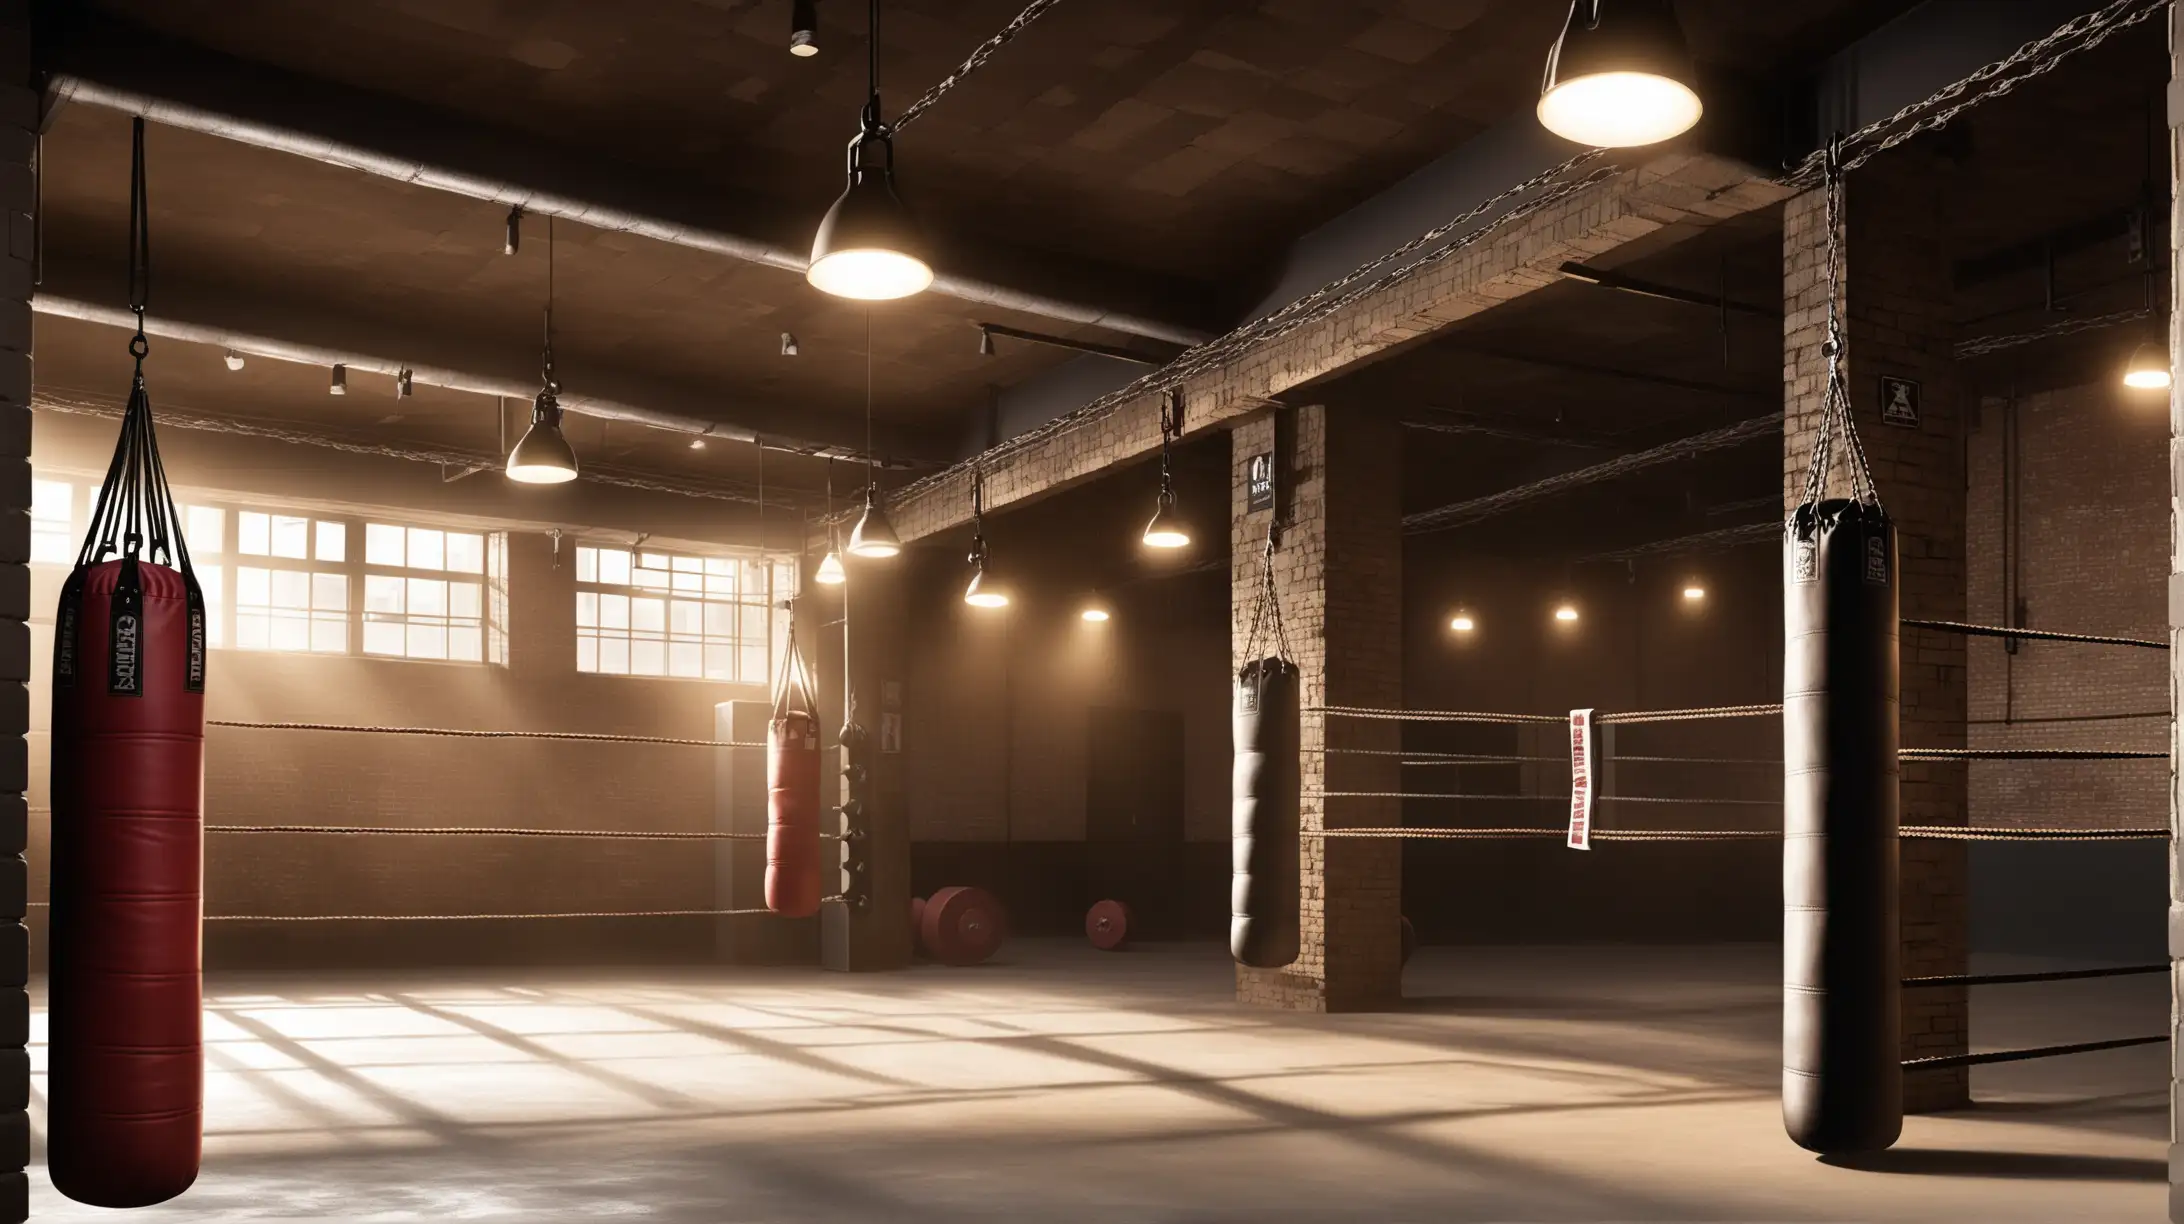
[
  {"x": 1107, "y": 924},
  {"x": 963, "y": 926}
]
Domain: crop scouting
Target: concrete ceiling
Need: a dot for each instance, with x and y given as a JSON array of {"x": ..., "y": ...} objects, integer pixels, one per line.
[{"x": 1158, "y": 154}]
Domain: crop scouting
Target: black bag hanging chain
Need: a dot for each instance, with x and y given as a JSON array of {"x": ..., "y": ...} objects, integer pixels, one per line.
[
  {"x": 1835, "y": 410},
  {"x": 135, "y": 515}
]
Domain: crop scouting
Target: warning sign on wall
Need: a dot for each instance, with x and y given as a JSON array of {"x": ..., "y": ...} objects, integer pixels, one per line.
[{"x": 1581, "y": 779}]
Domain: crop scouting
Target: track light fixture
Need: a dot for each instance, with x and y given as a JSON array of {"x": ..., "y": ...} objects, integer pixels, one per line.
[
  {"x": 985, "y": 341},
  {"x": 804, "y": 29},
  {"x": 2148, "y": 369},
  {"x": 869, "y": 246},
  {"x": 697, "y": 444},
  {"x": 788, "y": 345},
  {"x": 544, "y": 456},
  {"x": 403, "y": 383},
  {"x": 234, "y": 359},
  {"x": 984, "y": 591},
  {"x": 1168, "y": 530},
  {"x": 1095, "y": 613},
  {"x": 513, "y": 240},
  {"x": 1621, "y": 75},
  {"x": 338, "y": 384}
]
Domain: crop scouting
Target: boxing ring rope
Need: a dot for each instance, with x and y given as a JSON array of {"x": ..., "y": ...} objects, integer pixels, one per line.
[{"x": 455, "y": 733}]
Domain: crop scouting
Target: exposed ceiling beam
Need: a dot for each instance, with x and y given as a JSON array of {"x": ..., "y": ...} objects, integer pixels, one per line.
[
  {"x": 578, "y": 402},
  {"x": 1687, "y": 189},
  {"x": 1479, "y": 509},
  {"x": 110, "y": 66}
]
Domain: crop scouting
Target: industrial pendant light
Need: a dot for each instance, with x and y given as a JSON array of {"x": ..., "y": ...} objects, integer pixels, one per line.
[
  {"x": 1620, "y": 75},
  {"x": 2149, "y": 368},
  {"x": 1168, "y": 530},
  {"x": 830, "y": 571},
  {"x": 984, "y": 590},
  {"x": 869, "y": 246},
  {"x": 804, "y": 28},
  {"x": 873, "y": 536},
  {"x": 544, "y": 456}
]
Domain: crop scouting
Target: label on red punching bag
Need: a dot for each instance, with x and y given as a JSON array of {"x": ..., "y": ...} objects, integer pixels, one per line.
[
  {"x": 125, "y": 640},
  {"x": 67, "y": 625},
  {"x": 193, "y": 676}
]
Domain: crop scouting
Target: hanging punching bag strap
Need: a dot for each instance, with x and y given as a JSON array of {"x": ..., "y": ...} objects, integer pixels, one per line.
[
  {"x": 794, "y": 690},
  {"x": 134, "y": 515},
  {"x": 1266, "y": 611},
  {"x": 1836, "y": 421}
]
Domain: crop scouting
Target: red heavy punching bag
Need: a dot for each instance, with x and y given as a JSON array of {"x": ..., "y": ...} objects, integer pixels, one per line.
[
  {"x": 126, "y": 1055},
  {"x": 792, "y": 792}
]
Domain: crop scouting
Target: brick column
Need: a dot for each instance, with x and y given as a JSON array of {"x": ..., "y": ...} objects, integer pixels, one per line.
[
  {"x": 1339, "y": 575},
  {"x": 18, "y": 123},
  {"x": 872, "y": 609},
  {"x": 1896, "y": 291},
  {"x": 2176, "y": 613}
]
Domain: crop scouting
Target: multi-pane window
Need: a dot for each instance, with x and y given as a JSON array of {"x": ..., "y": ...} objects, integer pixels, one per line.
[
  {"x": 291, "y": 583},
  {"x": 204, "y": 530},
  {"x": 426, "y": 593},
  {"x": 643, "y": 613},
  {"x": 52, "y": 522}
]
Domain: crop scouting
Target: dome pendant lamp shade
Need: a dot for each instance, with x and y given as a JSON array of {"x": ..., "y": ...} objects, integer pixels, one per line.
[
  {"x": 1620, "y": 76},
  {"x": 830, "y": 571},
  {"x": 1167, "y": 530},
  {"x": 873, "y": 536},
  {"x": 984, "y": 591},
  {"x": 543, "y": 456},
  {"x": 2149, "y": 368},
  {"x": 869, "y": 247}
]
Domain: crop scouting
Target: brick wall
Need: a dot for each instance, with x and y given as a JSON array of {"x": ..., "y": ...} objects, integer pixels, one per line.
[
  {"x": 1338, "y": 573},
  {"x": 2086, "y": 556},
  {"x": 2067, "y": 517},
  {"x": 1896, "y": 298}
]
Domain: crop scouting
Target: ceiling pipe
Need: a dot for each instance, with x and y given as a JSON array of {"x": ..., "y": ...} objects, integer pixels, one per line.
[
  {"x": 436, "y": 376},
  {"x": 66, "y": 86}
]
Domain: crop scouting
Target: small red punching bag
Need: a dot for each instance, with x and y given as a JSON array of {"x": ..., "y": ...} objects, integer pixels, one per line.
[
  {"x": 126, "y": 1053},
  {"x": 792, "y": 791}
]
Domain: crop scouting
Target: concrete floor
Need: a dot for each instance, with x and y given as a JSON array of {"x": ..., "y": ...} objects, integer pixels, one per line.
[{"x": 1556, "y": 1084}]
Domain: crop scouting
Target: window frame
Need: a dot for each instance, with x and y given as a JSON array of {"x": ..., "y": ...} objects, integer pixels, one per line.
[
  {"x": 217, "y": 567},
  {"x": 780, "y": 569}
]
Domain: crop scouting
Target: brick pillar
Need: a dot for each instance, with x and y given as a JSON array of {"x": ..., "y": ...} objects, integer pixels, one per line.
[
  {"x": 2176, "y": 614},
  {"x": 1896, "y": 291},
  {"x": 18, "y": 122},
  {"x": 871, "y": 607},
  {"x": 1339, "y": 576}
]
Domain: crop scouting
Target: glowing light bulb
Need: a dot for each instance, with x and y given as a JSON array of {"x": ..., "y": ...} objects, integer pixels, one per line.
[{"x": 1567, "y": 614}]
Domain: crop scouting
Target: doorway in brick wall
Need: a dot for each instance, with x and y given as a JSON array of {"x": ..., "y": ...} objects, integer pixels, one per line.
[{"x": 1133, "y": 809}]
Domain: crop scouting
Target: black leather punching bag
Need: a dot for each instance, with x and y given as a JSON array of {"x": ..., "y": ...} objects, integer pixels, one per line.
[
  {"x": 1263, "y": 919},
  {"x": 1842, "y": 1078}
]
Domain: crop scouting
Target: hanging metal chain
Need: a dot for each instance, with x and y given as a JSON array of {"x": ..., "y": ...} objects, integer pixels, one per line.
[
  {"x": 1545, "y": 190},
  {"x": 1835, "y": 410},
  {"x": 1981, "y": 346},
  {"x": 2036, "y": 58},
  {"x": 1266, "y": 611},
  {"x": 977, "y": 60}
]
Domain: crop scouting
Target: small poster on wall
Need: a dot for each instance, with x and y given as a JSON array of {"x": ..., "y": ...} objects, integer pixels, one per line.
[
  {"x": 1259, "y": 482},
  {"x": 890, "y": 732},
  {"x": 1899, "y": 402}
]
